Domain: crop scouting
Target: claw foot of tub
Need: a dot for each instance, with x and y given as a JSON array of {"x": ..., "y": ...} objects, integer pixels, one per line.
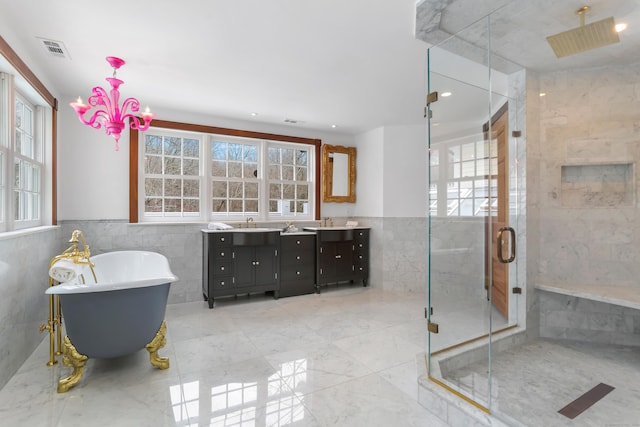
[
  {"x": 71, "y": 357},
  {"x": 156, "y": 344}
]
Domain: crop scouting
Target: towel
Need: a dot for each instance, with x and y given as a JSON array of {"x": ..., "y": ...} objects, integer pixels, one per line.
[
  {"x": 63, "y": 271},
  {"x": 219, "y": 226}
]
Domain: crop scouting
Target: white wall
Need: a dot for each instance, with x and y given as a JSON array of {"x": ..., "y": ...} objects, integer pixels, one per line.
[
  {"x": 405, "y": 171},
  {"x": 93, "y": 178},
  {"x": 370, "y": 169}
]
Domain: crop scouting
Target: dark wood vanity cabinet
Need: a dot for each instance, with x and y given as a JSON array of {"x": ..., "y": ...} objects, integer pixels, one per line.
[
  {"x": 240, "y": 263},
  {"x": 342, "y": 255},
  {"x": 245, "y": 262},
  {"x": 297, "y": 264},
  {"x": 361, "y": 255}
]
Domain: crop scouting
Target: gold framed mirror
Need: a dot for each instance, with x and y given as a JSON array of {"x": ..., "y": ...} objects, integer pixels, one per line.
[{"x": 338, "y": 174}]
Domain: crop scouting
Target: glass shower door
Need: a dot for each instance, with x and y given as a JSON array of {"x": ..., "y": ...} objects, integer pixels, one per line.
[{"x": 473, "y": 213}]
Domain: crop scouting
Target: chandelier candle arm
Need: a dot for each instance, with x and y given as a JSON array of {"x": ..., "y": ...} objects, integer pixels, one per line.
[{"x": 109, "y": 113}]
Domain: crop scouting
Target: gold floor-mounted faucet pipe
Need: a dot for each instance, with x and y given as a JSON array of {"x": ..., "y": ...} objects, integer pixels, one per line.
[{"x": 54, "y": 322}]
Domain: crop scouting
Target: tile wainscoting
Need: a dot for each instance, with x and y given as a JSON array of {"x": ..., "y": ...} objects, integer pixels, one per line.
[{"x": 24, "y": 262}]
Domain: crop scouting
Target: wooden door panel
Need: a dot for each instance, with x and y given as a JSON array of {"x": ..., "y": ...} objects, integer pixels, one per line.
[{"x": 500, "y": 218}]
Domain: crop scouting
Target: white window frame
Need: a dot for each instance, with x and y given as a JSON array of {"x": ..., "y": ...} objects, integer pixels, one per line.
[
  {"x": 12, "y": 88},
  {"x": 168, "y": 216},
  {"x": 443, "y": 206},
  {"x": 206, "y": 213}
]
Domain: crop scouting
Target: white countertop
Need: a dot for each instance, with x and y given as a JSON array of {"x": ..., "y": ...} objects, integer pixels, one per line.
[{"x": 336, "y": 228}]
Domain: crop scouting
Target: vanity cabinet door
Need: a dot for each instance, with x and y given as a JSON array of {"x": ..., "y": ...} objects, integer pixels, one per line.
[
  {"x": 244, "y": 265},
  {"x": 336, "y": 261},
  {"x": 255, "y": 267},
  {"x": 265, "y": 265}
]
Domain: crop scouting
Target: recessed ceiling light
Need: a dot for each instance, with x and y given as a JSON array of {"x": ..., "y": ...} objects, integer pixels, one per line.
[
  {"x": 254, "y": 114},
  {"x": 543, "y": 94},
  {"x": 334, "y": 126},
  {"x": 445, "y": 94},
  {"x": 621, "y": 27}
]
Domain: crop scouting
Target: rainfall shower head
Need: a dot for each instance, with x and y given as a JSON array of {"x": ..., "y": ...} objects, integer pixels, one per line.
[{"x": 585, "y": 37}]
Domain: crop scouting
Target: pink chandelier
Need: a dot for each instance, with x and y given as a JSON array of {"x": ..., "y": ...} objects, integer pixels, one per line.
[{"x": 112, "y": 115}]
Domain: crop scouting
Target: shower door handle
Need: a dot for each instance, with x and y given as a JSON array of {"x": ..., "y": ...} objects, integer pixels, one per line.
[{"x": 500, "y": 242}]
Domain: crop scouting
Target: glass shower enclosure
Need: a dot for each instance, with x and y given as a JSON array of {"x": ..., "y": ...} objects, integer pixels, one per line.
[{"x": 475, "y": 119}]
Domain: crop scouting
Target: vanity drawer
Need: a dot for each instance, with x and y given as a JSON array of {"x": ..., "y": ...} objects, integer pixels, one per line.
[
  {"x": 221, "y": 239},
  {"x": 222, "y": 267},
  {"x": 223, "y": 283},
  {"x": 301, "y": 272},
  {"x": 223, "y": 253},
  {"x": 361, "y": 236},
  {"x": 298, "y": 258},
  {"x": 296, "y": 243}
]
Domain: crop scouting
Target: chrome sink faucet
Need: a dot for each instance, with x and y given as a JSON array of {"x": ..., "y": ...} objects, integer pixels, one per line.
[
  {"x": 250, "y": 219},
  {"x": 329, "y": 219}
]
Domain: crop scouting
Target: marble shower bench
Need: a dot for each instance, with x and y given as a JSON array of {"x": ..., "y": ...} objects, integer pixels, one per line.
[{"x": 602, "y": 314}]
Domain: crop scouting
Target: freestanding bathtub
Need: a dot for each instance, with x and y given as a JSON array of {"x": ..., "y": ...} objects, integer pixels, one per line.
[{"x": 119, "y": 313}]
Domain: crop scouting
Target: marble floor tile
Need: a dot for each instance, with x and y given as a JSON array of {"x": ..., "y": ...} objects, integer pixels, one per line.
[
  {"x": 370, "y": 401},
  {"x": 316, "y": 368},
  {"x": 344, "y": 357},
  {"x": 379, "y": 350},
  {"x": 214, "y": 350}
]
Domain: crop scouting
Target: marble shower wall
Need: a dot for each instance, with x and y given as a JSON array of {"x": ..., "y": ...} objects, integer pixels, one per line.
[
  {"x": 589, "y": 123},
  {"x": 579, "y": 319},
  {"x": 24, "y": 265}
]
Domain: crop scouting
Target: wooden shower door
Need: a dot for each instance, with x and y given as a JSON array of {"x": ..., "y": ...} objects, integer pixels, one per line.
[{"x": 499, "y": 217}]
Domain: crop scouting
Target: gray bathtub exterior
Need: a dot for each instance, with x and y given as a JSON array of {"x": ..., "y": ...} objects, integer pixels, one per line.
[{"x": 114, "y": 323}]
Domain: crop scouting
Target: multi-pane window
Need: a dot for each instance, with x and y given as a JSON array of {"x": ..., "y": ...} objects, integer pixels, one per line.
[
  {"x": 234, "y": 177},
  {"x": 288, "y": 180},
  {"x": 208, "y": 177},
  {"x": 171, "y": 176},
  {"x": 26, "y": 142},
  {"x": 28, "y": 166},
  {"x": 463, "y": 178}
]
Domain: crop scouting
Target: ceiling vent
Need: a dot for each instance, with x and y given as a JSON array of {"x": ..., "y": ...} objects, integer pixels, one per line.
[
  {"x": 293, "y": 121},
  {"x": 55, "y": 48}
]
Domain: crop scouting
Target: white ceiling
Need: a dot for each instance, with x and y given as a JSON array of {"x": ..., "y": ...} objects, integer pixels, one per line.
[{"x": 352, "y": 63}]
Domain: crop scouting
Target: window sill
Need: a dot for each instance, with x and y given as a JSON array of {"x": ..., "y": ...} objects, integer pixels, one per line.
[{"x": 7, "y": 235}]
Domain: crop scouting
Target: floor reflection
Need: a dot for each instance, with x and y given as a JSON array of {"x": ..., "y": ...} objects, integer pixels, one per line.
[{"x": 270, "y": 401}]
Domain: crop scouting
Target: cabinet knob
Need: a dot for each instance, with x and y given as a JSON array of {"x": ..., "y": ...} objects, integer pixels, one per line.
[
  {"x": 222, "y": 268},
  {"x": 360, "y": 268},
  {"x": 221, "y": 253},
  {"x": 298, "y": 273},
  {"x": 221, "y": 283},
  {"x": 222, "y": 239},
  {"x": 297, "y": 242},
  {"x": 338, "y": 256},
  {"x": 360, "y": 256},
  {"x": 360, "y": 245},
  {"x": 298, "y": 258}
]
